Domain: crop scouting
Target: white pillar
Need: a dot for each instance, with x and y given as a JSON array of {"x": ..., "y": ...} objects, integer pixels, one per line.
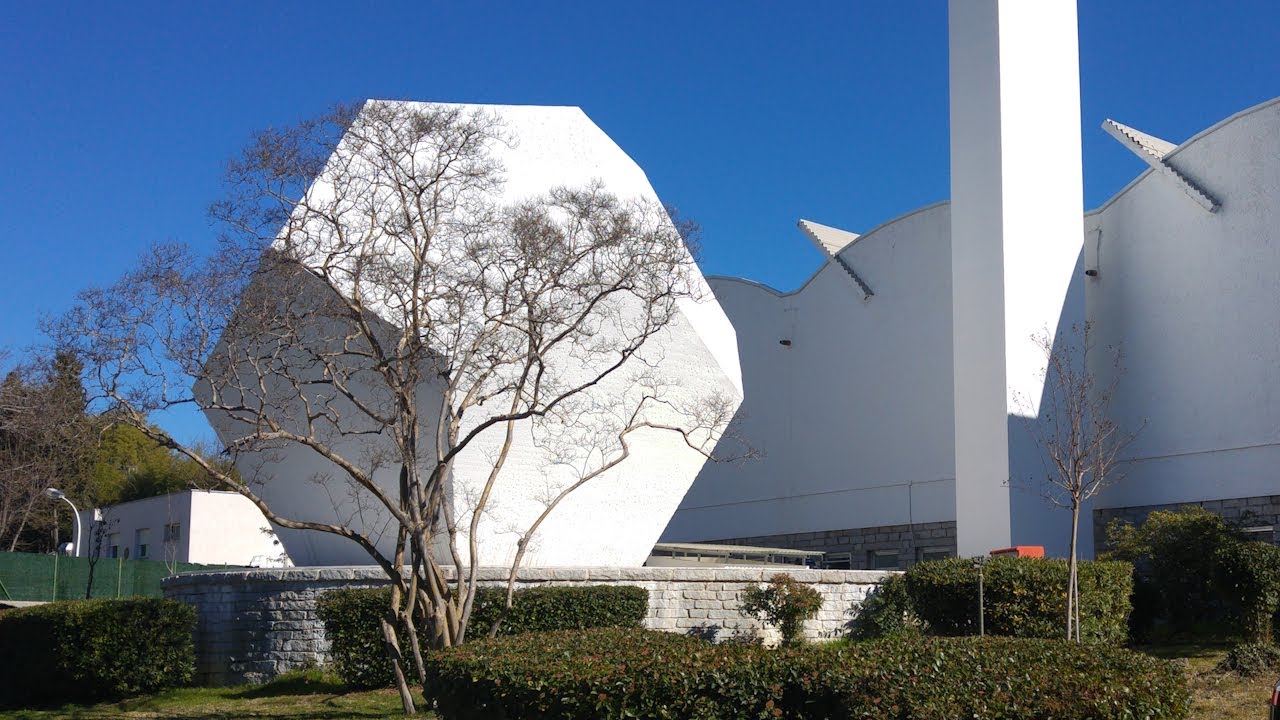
[{"x": 1016, "y": 230}]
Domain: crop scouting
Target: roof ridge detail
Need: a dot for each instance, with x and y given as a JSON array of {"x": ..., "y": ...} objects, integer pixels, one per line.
[
  {"x": 1152, "y": 150},
  {"x": 831, "y": 242}
]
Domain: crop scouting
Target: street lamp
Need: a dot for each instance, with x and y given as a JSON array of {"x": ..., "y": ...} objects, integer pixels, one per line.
[
  {"x": 57, "y": 494},
  {"x": 978, "y": 562}
]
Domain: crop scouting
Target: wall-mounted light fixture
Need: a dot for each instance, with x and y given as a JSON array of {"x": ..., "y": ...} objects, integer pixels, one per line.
[
  {"x": 784, "y": 343},
  {"x": 1091, "y": 272}
]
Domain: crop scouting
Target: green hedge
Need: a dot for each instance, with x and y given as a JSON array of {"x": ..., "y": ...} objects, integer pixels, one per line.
[
  {"x": 352, "y": 620},
  {"x": 618, "y": 673},
  {"x": 884, "y": 613},
  {"x": 1023, "y": 597},
  {"x": 90, "y": 650}
]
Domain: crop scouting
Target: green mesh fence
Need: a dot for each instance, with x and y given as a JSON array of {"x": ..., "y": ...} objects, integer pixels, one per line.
[{"x": 27, "y": 576}]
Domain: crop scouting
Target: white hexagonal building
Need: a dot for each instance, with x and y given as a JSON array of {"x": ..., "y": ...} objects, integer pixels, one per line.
[{"x": 615, "y": 519}]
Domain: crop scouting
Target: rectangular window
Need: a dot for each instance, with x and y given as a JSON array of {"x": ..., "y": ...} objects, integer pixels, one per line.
[
  {"x": 927, "y": 554},
  {"x": 882, "y": 560},
  {"x": 172, "y": 532},
  {"x": 1265, "y": 533},
  {"x": 142, "y": 538},
  {"x": 113, "y": 545},
  {"x": 838, "y": 561}
]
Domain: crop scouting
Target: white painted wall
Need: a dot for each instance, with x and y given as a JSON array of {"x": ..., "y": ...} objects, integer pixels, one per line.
[
  {"x": 1191, "y": 298},
  {"x": 216, "y": 528},
  {"x": 856, "y": 412}
]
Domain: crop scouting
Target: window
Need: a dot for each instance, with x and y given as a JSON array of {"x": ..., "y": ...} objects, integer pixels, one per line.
[
  {"x": 172, "y": 532},
  {"x": 882, "y": 560},
  {"x": 933, "y": 553},
  {"x": 141, "y": 539},
  {"x": 838, "y": 561},
  {"x": 113, "y": 545},
  {"x": 1265, "y": 533}
]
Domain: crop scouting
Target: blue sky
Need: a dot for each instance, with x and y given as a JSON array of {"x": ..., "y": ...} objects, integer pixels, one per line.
[{"x": 118, "y": 117}]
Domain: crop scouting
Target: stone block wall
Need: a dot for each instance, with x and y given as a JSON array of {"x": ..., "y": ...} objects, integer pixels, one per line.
[
  {"x": 1248, "y": 512},
  {"x": 910, "y": 542},
  {"x": 255, "y": 624}
]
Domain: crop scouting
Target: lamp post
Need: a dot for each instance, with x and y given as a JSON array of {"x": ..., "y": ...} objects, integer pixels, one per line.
[
  {"x": 978, "y": 562},
  {"x": 57, "y": 494}
]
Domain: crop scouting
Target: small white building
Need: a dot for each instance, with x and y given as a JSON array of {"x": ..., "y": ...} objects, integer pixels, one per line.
[{"x": 196, "y": 526}]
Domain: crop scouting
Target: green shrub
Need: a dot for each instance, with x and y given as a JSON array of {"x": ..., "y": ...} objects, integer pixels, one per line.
[
  {"x": 1197, "y": 576},
  {"x": 353, "y": 623},
  {"x": 1249, "y": 575},
  {"x": 1176, "y": 555},
  {"x": 352, "y": 620},
  {"x": 1023, "y": 597},
  {"x": 90, "y": 650},
  {"x": 783, "y": 603},
  {"x": 637, "y": 673},
  {"x": 885, "y": 613},
  {"x": 542, "y": 609},
  {"x": 1250, "y": 659}
]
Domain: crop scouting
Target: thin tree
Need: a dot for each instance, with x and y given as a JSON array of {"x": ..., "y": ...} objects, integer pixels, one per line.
[
  {"x": 373, "y": 304},
  {"x": 1079, "y": 441}
]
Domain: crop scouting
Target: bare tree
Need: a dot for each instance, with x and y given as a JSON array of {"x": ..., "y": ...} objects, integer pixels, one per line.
[
  {"x": 374, "y": 306},
  {"x": 1079, "y": 441}
]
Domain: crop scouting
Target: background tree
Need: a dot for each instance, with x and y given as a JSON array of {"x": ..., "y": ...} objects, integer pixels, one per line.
[
  {"x": 1078, "y": 440},
  {"x": 372, "y": 304},
  {"x": 46, "y": 440}
]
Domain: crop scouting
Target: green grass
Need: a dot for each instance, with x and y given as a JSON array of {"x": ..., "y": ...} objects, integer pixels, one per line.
[
  {"x": 1215, "y": 695},
  {"x": 302, "y": 695}
]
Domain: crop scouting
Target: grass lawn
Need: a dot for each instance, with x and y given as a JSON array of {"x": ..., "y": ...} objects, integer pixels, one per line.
[
  {"x": 310, "y": 695},
  {"x": 1219, "y": 696},
  {"x": 313, "y": 695}
]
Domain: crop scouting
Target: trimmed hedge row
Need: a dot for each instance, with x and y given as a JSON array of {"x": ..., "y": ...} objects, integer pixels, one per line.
[
  {"x": 1023, "y": 597},
  {"x": 352, "y": 620},
  {"x": 638, "y": 673},
  {"x": 90, "y": 650}
]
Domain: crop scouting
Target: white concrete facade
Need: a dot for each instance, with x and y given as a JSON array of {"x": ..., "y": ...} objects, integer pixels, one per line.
[
  {"x": 1187, "y": 294},
  {"x": 196, "y": 526},
  {"x": 1016, "y": 199}
]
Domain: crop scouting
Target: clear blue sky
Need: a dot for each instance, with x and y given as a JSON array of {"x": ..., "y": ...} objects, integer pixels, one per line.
[{"x": 118, "y": 117}]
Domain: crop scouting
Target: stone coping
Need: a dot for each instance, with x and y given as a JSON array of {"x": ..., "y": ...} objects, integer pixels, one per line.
[{"x": 373, "y": 573}]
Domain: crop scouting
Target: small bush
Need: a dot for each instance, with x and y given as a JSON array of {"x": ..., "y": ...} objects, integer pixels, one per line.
[
  {"x": 91, "y": 650},
  {"x": 1023, "y": 597},
  {"x": 885, "y": 613},
  {"x": 783, "y": 603},
  {"x": 1251, "y": 659},
  {"x": 352, "y": 620},
  {"x": 637, "y": 673},
  {"x": 1250, "y": 585},
  {"x": 353, "y": 623},
  {"x": 1197, "y": 577}
]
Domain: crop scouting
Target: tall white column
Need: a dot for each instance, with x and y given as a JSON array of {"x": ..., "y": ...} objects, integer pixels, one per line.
[{"x": 1016, "y": 230}]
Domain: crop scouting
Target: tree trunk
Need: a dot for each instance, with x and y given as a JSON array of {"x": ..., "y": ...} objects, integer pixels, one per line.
[{"x": 1073, "y": 594}]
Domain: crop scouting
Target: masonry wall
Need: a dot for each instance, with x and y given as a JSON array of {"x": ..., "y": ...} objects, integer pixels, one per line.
[
  {"x": 912, "y": 543},
  {"x": 255, "y": 624}
]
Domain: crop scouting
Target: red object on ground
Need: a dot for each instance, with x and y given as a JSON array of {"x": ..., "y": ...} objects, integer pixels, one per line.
[{"x": 1021, "y": 551}]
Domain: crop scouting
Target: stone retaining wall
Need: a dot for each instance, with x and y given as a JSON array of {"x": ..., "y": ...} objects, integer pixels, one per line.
[{"x": 255, "y": 624}]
